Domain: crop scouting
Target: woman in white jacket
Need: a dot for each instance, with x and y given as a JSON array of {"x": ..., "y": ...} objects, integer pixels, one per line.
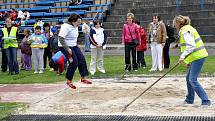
[{"x": 98, "y": 44}]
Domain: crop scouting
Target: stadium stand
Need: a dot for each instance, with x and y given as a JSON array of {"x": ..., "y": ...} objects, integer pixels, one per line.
[{"x": 53, "y": 11}]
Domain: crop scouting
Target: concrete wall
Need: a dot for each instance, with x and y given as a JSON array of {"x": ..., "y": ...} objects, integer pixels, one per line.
[{"x": 201, "y": 12}]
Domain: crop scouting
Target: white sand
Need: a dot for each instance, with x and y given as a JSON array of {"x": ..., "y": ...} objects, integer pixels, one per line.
[{"x": 105, "y": 96}]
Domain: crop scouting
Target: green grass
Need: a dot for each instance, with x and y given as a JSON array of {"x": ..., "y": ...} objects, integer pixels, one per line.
[
  {"x": 6, "y": 109},
  {"x": 114, "y": 66}
]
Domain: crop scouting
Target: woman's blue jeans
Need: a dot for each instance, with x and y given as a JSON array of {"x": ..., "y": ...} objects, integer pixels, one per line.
[
  {"x": 193, "y": 84},
  {"x": 86, "y": 43},
  {"x": 11, "y": 53}
]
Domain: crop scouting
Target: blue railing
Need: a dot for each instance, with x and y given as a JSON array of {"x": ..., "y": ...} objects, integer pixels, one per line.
[
  {"x": 202, "y": 2},
  {"x": 100, "y": 12},
  {"x": 178, "y": 3}
]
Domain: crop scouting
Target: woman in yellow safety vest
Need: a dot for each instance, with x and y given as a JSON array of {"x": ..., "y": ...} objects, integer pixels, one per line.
[
  {"x": 10, "y": 45},
  {"x": 193, "y": 55}
]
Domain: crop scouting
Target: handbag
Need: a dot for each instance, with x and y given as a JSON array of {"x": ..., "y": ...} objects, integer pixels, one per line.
[{"x": 134, "y": 42}]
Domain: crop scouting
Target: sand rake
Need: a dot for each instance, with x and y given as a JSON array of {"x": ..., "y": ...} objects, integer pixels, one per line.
[
  {"x": 126, "y": 106},
  {"x": 125, "y": 72}
]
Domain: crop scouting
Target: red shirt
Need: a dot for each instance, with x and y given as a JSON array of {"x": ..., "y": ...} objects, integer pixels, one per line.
[
  {"x": 1, "y": 15},
  {"x": 13, "y": 15},
  {"x": 142, "y": 46}
]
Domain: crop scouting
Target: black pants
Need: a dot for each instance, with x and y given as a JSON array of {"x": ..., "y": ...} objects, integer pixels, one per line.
[
  {"x": 130, "y": 50},
  {"x": 166, "y": 55},
  {"x": 4, "y": 61},
  {"x": 78, "y": 62},
  {"x": 47, "y": 53},
  {"x": 140, "y": 59}
]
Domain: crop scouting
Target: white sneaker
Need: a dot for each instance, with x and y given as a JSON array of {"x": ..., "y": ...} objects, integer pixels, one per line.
[
  {"x": 41, "y": 72},
  {"x": 103, "y": 71},
  {"x": 51, "y": 69},
  {"x": 36, "y": 72},
  {"x": 209, "y": 105},
  {"x": 206, "y": 106},
  {"x": 160, "y": 69},
  {"x": 92, "y": 73},
  {"x": 126, "y": 73},
  {"x": 135, "y": 70},
  {"x": 152, "y": 70}
]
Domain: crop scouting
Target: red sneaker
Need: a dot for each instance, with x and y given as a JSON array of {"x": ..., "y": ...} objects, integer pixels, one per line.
[
  {"x": 86, "y": 81},
  {"x": 69, "y": 83}
]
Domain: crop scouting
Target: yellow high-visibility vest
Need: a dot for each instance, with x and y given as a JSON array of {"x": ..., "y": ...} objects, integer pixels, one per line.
[
  {"x": 10, "y": 40},
  {"x": 199, "y": 52}
]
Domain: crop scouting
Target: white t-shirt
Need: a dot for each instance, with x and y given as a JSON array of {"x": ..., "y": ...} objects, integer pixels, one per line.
[
  {"x": 21, "y": 15},
  {"x": 26, "y": 14},
  {"x": 69, "y": 33},
  {"x": 85, "y": 28},
  {"x": 98, "y": 37}
]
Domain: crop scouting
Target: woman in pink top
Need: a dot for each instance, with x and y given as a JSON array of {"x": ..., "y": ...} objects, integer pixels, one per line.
[{"x": 129, "y": 34}]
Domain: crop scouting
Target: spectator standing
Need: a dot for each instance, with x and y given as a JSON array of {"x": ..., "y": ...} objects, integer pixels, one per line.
[
  {"x": 54, "y": 42},
  {"x": 10, "y": 44},
  {"x": 26, "y": 14},
  {"x": 26, "y": 52},
  {"x": 13, "y": 14},
  {"x": 6, "y": 15},
  {"x": 38, "y": 42},
  {"x": 1, "y": 16},
  {"x": 4, "y": 61},
  {"x": 86, "y": 32},
  {"x": 141, "y": 47},
  {"x": 47, "y": 52},
  {"x": 129, "y": 34},
  {"x": 40, "y": 23},
  {"x": 98, "y": 40},
  {"x": 170, "y": 38},
  {"x": 20, "y": 15},
  {"x": 75, "y": 2},
  {"x": 157, "y": 37}
]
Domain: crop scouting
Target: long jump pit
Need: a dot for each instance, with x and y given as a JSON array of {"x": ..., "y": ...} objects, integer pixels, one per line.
[{"x": 105, "y": 99}]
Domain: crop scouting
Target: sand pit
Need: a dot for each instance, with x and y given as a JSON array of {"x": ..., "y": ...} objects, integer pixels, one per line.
[{"x": 107, "y": 96}]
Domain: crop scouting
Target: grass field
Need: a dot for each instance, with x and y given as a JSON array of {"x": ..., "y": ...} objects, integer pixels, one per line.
[
  {"x": 7, "y": 109},
  {"x": 114, "y": 66}
]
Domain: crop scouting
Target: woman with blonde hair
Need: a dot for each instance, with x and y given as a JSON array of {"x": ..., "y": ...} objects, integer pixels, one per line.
[
  {"x": 130, "y": 33},
  {"x": 193, "y": 55}
]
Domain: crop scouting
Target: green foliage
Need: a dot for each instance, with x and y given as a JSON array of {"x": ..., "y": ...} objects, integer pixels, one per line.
[{"x": 7, "y": 109}]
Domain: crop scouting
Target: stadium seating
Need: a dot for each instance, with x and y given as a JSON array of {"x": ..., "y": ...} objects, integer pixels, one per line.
[{"x": 54, "y": 11}]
